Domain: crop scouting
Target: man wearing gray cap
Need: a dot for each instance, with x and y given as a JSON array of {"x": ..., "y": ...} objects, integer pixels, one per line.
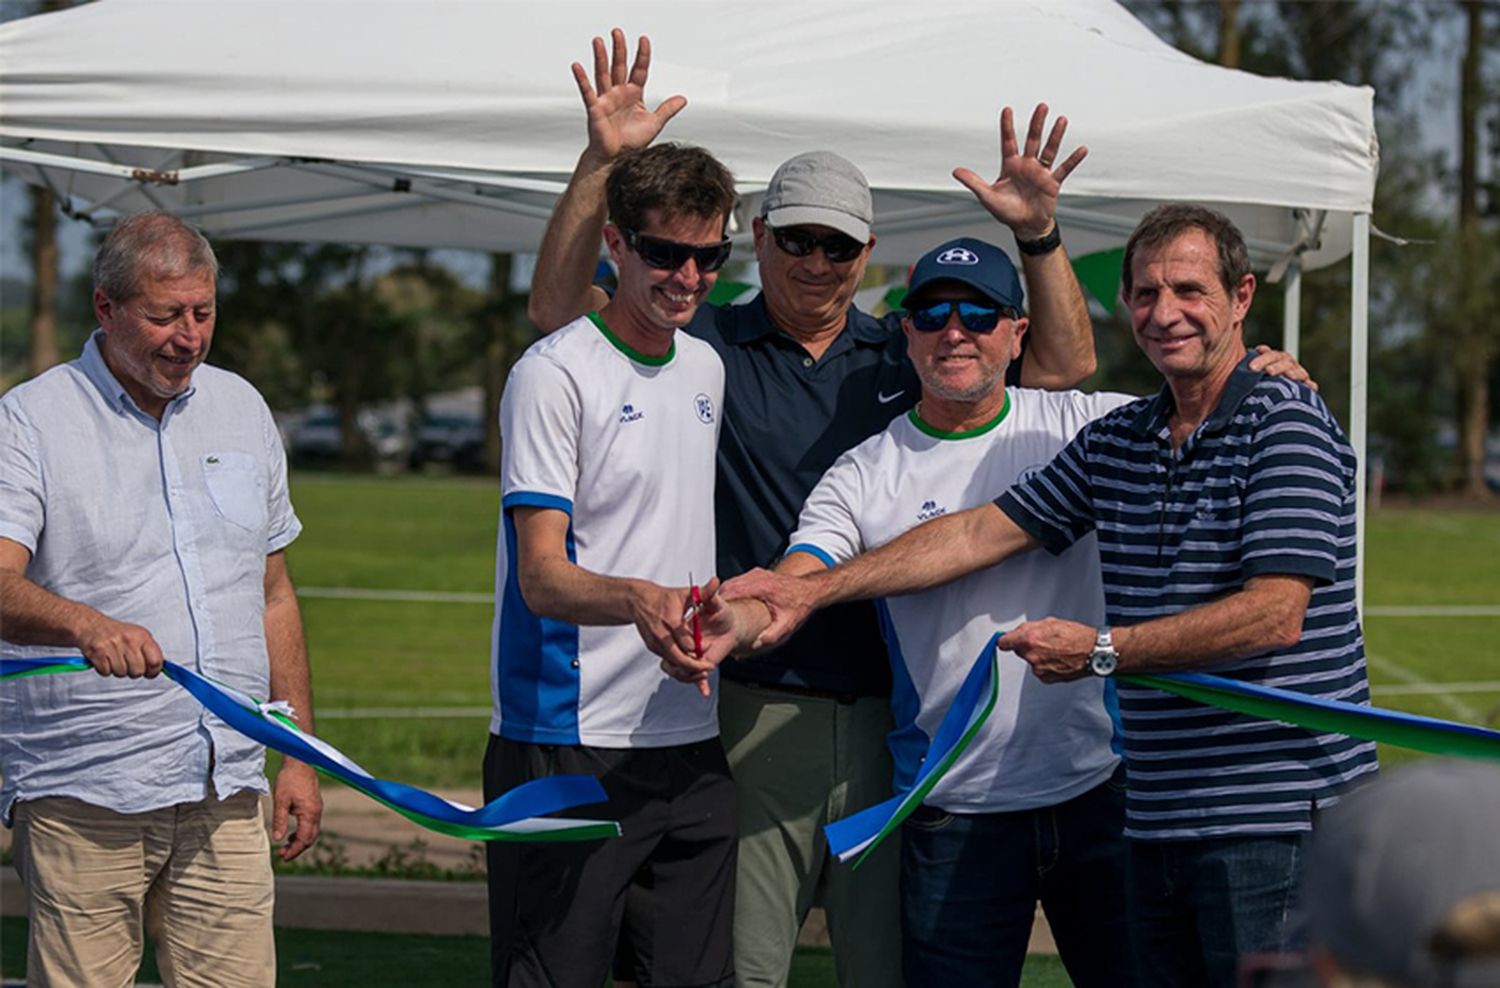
[
  {"x": 1403, "y": 881},
  {"x": 808, "y": 376}
]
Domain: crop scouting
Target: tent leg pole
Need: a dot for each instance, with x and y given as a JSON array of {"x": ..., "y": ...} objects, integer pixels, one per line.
[
  {"x": 1291, "y": 322},
  {"x": 1359, "y": 368}
]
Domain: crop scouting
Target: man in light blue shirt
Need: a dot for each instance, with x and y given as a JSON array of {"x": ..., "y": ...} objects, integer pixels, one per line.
[{"x": 143, "y": 516}]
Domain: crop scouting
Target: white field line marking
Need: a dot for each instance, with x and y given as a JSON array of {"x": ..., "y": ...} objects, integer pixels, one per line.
[
  {"x": 402, "y": 596},
  {"x": 405, "y": 713},
  {"x": 1462, "y": 610},
  {"x": 471, "y": 597},
  {"x": 1424, "y": 689},
  {"x": 1464, "y": 711},
  {"x": 465, "y": 713}
]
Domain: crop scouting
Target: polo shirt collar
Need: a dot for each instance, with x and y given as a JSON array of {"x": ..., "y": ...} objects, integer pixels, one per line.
[
  {"x": 859, "y": 326},
  {"x": 109, "y": 387},
  {"x": 1152, "y": 419}
]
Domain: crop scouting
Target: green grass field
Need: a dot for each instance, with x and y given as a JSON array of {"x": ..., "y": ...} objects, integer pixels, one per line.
[
  {"x": 434, "y": 534},
  {"x": 327, "y": 959}
]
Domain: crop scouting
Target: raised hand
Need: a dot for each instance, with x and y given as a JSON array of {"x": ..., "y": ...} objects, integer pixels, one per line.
[
  {"x": 618, "y": 120},
  {"x": 1024, "y": 197}
]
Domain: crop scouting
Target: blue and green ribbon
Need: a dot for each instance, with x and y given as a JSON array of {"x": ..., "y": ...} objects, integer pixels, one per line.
[
  {"x": 522, "y": 814},
  {"x": 1315, "y": 713},
  {"x": 972, "y": 705},
  {"x": 864, "y": 831}
]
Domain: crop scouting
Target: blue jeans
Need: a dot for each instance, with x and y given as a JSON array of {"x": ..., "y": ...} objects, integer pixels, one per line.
[
  {"x": 1198, "y": 906},
  {"x": 970, "y": 884}
]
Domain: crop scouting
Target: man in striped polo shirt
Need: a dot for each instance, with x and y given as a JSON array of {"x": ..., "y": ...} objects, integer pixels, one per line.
[{"x": 1224, "y": 510}]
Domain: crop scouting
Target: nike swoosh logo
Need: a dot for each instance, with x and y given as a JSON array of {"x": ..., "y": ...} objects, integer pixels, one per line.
[{"x": 886, "y": 399}]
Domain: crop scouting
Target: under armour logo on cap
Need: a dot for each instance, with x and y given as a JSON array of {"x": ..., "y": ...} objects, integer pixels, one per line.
[{"x": 958, "y": 255}]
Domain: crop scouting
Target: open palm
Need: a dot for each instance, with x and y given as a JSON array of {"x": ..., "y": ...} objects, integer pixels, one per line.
[
  {"x": 1024, "y": 196},
  {"x": 618, "y": 119}
]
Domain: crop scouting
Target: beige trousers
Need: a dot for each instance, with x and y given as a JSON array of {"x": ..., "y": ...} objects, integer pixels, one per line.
[
  {"x": 799, "y": 762},
  {"x": 195, "y": 877}
]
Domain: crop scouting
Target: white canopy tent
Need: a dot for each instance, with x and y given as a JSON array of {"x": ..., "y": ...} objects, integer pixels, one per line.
[{"x": 454, "y": 123}]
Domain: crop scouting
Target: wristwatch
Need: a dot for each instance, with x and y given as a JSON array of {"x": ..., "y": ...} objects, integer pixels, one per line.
[{"x": 1104, "y": 660}]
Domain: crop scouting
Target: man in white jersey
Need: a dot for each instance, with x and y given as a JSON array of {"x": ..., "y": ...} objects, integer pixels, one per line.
[
  {"x": 610, "y": 426},
  {"x": 1033, "y": 809}
]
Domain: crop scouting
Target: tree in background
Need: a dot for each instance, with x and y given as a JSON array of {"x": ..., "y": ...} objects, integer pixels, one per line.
[
  {"x": 43, "y": 351},
  {"x": 1415, "y": 363},
  {"x": 345, "y": 325},
  {"x": 503, "y": 333},
  {"x": 44, "y": 267},
  {"x": 1476, "y": 338}
]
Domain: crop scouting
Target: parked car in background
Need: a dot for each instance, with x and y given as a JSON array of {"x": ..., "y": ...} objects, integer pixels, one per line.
[
  {"x": 457, "y": 440},
  {"x": 318, "y": 440}
]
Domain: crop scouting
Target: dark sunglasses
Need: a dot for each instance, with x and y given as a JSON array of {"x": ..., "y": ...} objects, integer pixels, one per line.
[
  {"x": 669, "y": 255},
  {"x": 975, "y": 318},
  {"x": 837, "y": 247}
]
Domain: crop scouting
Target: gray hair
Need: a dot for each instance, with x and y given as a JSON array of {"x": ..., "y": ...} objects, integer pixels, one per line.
[{"x": 151, "y": 244}]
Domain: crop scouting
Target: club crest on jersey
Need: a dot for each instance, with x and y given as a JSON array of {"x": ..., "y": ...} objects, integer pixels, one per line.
[
  {"x": 958, "y": 255},
  {"x": 930, "y": 510},
  {"x": 704, "y": 406},
  {"x": 629, "y": 413}
]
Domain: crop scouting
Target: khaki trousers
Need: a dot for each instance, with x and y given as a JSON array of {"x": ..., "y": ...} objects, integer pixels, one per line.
[
  {"x": 195, "y": 877},
  {"x": 798, "y": 763}
]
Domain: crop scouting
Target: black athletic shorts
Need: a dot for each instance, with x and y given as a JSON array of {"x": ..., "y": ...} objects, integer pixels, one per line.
[{"x": 558, "y": 910}]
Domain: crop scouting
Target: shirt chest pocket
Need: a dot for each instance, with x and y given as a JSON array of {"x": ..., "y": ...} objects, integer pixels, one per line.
[{"x": 237, "y": 488}]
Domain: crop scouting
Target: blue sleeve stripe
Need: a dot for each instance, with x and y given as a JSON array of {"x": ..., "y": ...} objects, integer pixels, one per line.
[
  {"x": 532, "y": 499},
  {"x": 813, "y": 551}
]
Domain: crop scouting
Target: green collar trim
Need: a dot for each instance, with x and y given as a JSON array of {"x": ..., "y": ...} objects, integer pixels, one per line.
[
  {"x": 632, "y": 352},
  {"x": 979, "y": 430}
]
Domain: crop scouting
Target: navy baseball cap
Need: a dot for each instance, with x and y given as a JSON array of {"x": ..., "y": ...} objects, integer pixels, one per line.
[{"x": 983, "y": 267}]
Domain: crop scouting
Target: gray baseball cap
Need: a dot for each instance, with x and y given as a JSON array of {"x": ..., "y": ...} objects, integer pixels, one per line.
[
  {"x": 1391, "y": 863},
  {"x": 820, "y": 188}
]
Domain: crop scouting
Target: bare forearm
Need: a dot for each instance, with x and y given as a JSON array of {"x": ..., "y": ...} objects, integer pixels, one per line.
[
  {"x": 1266, "y": 615},
  {"x": 1060, "y": 346},
  {"x": 929, "y": 555},
  {"x": 562, "y": 287},
  {"x": 286, "y": 646},
  {"x": 564, "y": 591},
  {"x": 30, "y": 615}
]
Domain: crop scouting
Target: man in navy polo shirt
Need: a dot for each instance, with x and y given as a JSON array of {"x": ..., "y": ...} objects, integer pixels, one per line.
[
  {"x": 1224, "y": 508},
  {"x": 808, "y": 375}
]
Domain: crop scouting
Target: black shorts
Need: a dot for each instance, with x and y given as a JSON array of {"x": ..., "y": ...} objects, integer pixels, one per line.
[{"x": 557, "y": 910}]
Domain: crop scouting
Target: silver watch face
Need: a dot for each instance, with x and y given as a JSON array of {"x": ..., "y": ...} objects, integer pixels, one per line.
[{"x": 1103, "y": 662}]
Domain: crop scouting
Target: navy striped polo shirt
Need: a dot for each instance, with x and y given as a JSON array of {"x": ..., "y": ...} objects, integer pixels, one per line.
[{"x": 1264, "y": 486}]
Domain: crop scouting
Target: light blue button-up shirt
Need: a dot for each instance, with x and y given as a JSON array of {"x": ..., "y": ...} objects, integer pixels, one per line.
[{"x": 166, "y": 525}]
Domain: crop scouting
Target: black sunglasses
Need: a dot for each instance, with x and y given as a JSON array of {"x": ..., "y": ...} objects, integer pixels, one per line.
[
  {"x": 669, "y": 255},
  {"x": 839, "y": 248},
  {"x": 973, "y": 317}
]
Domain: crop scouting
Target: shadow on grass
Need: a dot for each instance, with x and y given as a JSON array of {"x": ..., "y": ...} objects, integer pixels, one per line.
[{"x": 329, "y": 959}]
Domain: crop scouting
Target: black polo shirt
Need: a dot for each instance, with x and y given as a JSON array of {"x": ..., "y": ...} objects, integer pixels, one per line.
[{"x": 787, "y": 418}]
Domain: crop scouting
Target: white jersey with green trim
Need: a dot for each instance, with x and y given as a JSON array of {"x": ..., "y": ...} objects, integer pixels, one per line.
[
  {"x": 1043, "y": 744},
  {"x": 624, "y": 444}
]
